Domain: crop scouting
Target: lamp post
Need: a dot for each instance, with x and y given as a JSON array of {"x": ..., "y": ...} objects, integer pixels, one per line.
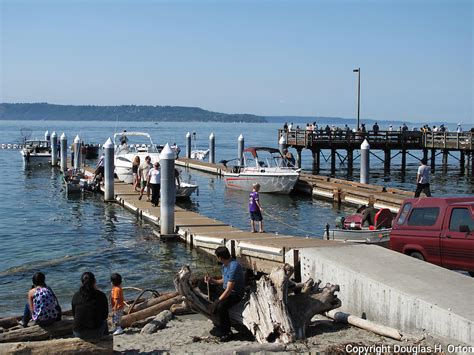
[{"x": 358, "y": 96}]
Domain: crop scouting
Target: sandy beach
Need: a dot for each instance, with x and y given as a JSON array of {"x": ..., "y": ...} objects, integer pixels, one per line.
[{"x": 190, "y": 334}]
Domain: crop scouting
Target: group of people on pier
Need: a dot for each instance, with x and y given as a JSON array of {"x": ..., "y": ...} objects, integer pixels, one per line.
[{"x": 90, "y": 307}]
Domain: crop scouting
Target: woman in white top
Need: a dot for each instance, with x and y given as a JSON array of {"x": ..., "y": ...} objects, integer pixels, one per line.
[{"x": 154, "y": 183}]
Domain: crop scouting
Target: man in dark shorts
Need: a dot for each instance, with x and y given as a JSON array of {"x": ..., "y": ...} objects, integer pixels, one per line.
[{"x": 255, "y": 209}]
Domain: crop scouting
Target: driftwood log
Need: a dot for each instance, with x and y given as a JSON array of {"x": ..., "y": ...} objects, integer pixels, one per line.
[
  {"x": 36, "y": 332},
  {"x": 60, "y": 347},
  {"x": 130, "y": 319},
  {"x": 278, "y": 310}
]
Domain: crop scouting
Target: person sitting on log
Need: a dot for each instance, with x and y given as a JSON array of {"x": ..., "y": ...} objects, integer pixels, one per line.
[
  {"x": 90, "y": 309},
  {"x": 42, "y": 306},
  {"x": 233, "y": 286}
]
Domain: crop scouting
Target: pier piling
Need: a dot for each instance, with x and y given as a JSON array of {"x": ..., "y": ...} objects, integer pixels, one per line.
[
  {"x": 298, "y": 158},
  {"x": 77, "y": 152},
  {"x": 433, "y": 160},
  {"x": 316, "y": 160},
  {"x": 333, "y": 161},
  {"x": 63, "y": 142},
  {"x": 240, "y": 149},
  {"x": 386, "y": 161},
  {"x": 47, "y": 136},
  {"x": 188, "y": 145},
  {"x": 404, "y": 161},
  {"x": 350, "y": 161},
  {"x": 109, "y": 170},
  {"x": 212, "y": 148},
  {"x": 364, "y": 162},
  {"x": 445, "y": 160},
  {"x": 167, "y": 192},
  {"x": 54, "y": 149},
  {"x": 462, "y": 161}
]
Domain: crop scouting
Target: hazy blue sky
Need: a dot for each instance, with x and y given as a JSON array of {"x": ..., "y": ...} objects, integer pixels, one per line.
[{"x": 262, "y": 57}]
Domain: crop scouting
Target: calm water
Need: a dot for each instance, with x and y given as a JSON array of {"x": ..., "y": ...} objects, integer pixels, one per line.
[{"x": 41, "y": 229}]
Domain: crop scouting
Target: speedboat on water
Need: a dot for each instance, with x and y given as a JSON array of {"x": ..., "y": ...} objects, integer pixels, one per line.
[
  {"x": 36, "y": 151},
  {"x": 350, "y": 229},
  {"x": 125, "y": 152},
  {"x": 185, "y": 190},
  {"x": 199, "y": 154},
  {"x": 266, "y": 167}
]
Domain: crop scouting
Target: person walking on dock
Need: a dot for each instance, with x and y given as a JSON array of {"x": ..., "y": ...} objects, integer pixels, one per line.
[
  {"x": 143, "y": 171},
  {"x": 233, "y": 285},
  {"x": 135, "y": 165},
  {"x": 154, "y": 181},
  {"x": 255, "y": 209},
  {"x": 423, "y": 179}
]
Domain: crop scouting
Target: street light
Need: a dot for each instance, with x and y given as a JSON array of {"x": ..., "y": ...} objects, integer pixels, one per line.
[{"x": 358, "y": 97}]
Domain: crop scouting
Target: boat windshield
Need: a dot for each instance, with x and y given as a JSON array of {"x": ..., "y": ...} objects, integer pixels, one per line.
[
  {"x": 134, "y": 143},
  {"x": 264, "y": 159},
  {"x": 37, "y": 143}
]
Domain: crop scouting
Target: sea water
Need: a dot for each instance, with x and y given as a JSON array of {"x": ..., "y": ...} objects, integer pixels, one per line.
[{"x": 43, "y": 230}]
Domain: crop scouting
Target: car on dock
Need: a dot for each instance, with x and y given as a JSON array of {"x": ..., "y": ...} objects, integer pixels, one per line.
[{"x": 439, "y": 230}]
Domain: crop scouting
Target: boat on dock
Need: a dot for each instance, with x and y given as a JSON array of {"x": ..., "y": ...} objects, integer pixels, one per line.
[
  {"x": 266, "y": 167},
  {"x": 126, "y": 152},
  {"x": 36, "y": 151},
  {"x": 75, "y": 181},
  {"x": 350, "y": 229}
]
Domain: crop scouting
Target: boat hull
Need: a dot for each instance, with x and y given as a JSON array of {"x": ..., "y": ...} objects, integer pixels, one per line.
[
  {"x": 379, "y": 236},
  {"x": 185, "y": 190},
  {"x": 269, "y": 183},
  {"x": 33, "y": 158}
]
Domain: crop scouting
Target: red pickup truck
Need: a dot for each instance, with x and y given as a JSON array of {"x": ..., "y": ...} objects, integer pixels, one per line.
[{"x": 438, "y": 230}]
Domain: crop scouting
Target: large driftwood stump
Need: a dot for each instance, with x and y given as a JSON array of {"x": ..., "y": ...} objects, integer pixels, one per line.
[{"x": 278, "y": 310}]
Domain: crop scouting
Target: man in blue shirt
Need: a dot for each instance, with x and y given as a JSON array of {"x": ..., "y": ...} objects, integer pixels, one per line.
[{"x": 233, "y": 284}]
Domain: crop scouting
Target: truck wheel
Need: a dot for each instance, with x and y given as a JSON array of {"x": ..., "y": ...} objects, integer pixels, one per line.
[{"x": 416, "y": 255}]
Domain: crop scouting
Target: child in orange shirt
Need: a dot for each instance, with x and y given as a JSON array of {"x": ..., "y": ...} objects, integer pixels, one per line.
[{"x": 116, "y": 299}]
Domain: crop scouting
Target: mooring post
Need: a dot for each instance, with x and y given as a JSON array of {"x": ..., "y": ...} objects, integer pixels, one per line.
[
  {"x": 167, "y": 192},
  {"x": 298, "y": 158},
  {"x": 188, "y": 145},
  {"x": 364, "y": 162},
  {"x": 433, "y": 160},
  {"x": 63, "y": 141},
  {"x": 350, "y": 161},
  {"x": 47, "y": 136},
  {"x": 240, "y": 149},
  {"x": 333, "y": 161},
  {"x": 109, "y": 152},
  {"x": 282, "y": 143},
  {"x": 212, "y": 148},
  {"x": 54, "y": 149},
  {"x": 425, "y": 153},
  {"x": 77, "y": 152},
  {"x": 386, "y": 161}
]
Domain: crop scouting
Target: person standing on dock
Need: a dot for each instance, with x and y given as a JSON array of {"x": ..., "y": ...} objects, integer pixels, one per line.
[
  {"x": 154, "y": 181},
  {"x": 423, "y": 179},
  {"x": 233, "y": 285},
  {"x": 135, "y": 165},
  {"x": 255, "y": 209},
  {"x": 143, "y": 171}
]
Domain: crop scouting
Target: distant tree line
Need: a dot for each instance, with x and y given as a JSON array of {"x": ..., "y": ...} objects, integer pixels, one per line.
[{"x": 39, "y": 111}]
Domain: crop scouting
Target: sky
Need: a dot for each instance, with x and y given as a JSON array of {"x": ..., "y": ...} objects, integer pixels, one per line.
[{"x": 261, "y": 57}]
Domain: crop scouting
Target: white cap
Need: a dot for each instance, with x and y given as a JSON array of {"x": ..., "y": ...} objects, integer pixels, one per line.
[
  {"x": 459, "y": 124},
  {"x": 188, "y": 135},
  {"x": 212, "y": 136},
  {"x": 365, "y": 145},
  {"x": 241, "y": 137},
  {"x": 63, "y": 136},
  {"x": 53, "y": 134},
  {"x": 108, "y": 144},
  {"x": 282, "y": 140},
  {"x": 167, "y": 153},
  {"x": 77, "y": 139}
]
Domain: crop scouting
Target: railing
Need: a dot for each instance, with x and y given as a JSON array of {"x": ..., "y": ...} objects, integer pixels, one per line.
[
  {"x": 307, "y": 139},
  {"x": 449, "y": 140}
]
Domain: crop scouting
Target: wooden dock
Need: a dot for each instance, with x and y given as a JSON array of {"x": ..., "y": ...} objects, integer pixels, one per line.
[{"x": 337, "y": 190}]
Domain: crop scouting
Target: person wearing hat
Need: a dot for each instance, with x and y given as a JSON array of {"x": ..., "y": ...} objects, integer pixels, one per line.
[{"x": 423, "y": 179}]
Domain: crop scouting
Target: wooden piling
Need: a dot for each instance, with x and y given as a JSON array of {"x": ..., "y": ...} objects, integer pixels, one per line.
[
  {"x": 333, "y": 161},
  {"x": 386, "y": 161},
  {"x": 404, "y": 160},
  {"x": 298, "y": 157},
  {"x": 316, "y": 160},
  {"x": 350, "y": 161},
  {"x": 445, "y": 160},
  {"x": 462, "y": 161},
  {"x": 433, "y": 160}
]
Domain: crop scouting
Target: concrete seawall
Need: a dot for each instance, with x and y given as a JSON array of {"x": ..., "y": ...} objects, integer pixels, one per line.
[{"x": 396, "y": 290}]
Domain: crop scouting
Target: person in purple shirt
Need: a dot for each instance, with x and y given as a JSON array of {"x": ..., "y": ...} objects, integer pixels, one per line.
[{"x": 255, "y": 209}]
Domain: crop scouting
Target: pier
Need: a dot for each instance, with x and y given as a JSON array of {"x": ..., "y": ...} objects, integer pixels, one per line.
[{"x": 342, "y": 145}]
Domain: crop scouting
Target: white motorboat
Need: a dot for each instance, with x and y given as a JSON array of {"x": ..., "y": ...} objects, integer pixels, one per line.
[
  {"x": 199, "y": 154},
  {"x": 265, "y": 166},
  {"x": 185, "y": 190},
  {"x": 350, "y": 229},
  {"x": 36, "y": 151},
  {"x": 125, "y": 152}
]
